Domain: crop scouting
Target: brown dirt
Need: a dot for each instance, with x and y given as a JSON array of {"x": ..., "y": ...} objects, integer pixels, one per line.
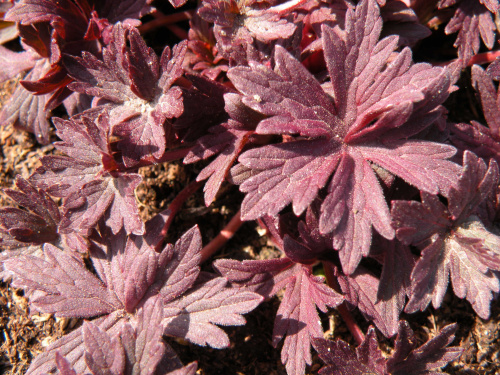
[{"x": 251, "y": 352}]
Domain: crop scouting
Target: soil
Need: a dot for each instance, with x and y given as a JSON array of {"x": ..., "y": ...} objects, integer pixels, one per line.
[{"x": 251, "y": 353}]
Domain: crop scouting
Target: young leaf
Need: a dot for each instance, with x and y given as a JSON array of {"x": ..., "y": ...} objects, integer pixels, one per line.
[
  {"x": 340, "y": 359},
  {"x": 51, "y": 29},
  {"x": 37, "y": 226},
  {"x": 361, "y": 289},
  {"x": 138, "y": 88},
  {"x": 472, "y": 19},
  {"x": 88, "y": 178},
  {"x": 238, "y": 23},
  {"x": 455, "y": 243},
  {"x": 27, "y": 110},
  {"x": 297, "y": 320},
  {"x": 103, "y": 355},
  {"x": 483, "y": 141},
  {"x": 435, "y": 353},
  {"x": 406, "y": 358},
  {"x": 297, "y": 317},
  {"x": 135, "y": 285}
]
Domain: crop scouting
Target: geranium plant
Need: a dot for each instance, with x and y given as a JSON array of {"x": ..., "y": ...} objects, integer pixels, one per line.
[{"x": 376, "y": 194}]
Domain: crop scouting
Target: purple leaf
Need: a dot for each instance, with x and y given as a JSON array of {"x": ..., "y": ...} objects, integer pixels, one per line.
[
  {"x": 237, "y": 24},
  {"x": 482, "y": 140},
  {"x": 72, "y": 347},
  {"x": 112, "y": 196},
  {"x": 103, "y": 355},
  {"x": 405, "y": 360},
  {"x": 289, "y": 172},
  {"x": 420, "y": 163},
  {"x": 178, "y": 266},
  {"x": 63, "y": 366},
  {"x": 195, "y": 315},
  {"x": 37, "y": 226},
  {"x": 340, "y": 359},
  {"x": 489, "y": 97},
  {"x": 186, "y": 370},
  {"x": 368, "y": 110},
  {"x": 128, "y": 270},
  {"x": 27, "y": 110},
  {"x": 89, "y": 178},
  {"x": 472, "y": 19},
  {"x": 476, "y": 138},
  {"x": 298, "y": 319},
  {"x": 225, "y": 141},
  {"x": 69, "y": 289},
  {"x": 455, "y": 242},
  {"x": 395, "y": 282},
  {"x": 408, "y": 360},
  {"x": 361, "y": 290},
  {"x": 265, "y": 277},
  {"x": 13, "y": 63},
  {"x": 138, "y": 85},
  {"x": 144, "y": 347},
  {"x": 353, "y": 205}
]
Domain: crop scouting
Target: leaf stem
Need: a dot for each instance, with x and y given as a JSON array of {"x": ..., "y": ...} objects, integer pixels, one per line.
[
  {"x": 287, "y": 6},
  {"x": 220, "y": 240},
  {"x": 479, "y": 59},
  {"x": 164, "y": 20},
  {"x": 175, "y": 206},
  {"x": 483, "y": 58},
  {"x": 344, "y": 312}
]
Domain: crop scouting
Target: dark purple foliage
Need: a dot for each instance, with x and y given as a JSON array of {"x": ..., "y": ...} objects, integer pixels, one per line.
[
  {"x": 406, "y": 359},
  {"x": 48, "y": 30},
  {"x": 455, "y": 243},
  {"x": 137, "y": 88},
  {"x": 89, "y": 179},
  {"x": 358, "y": 118},
  {"x": 472, "y": 19},
  {"x": 297, "y": 319},
  {"x": 23, "y": 232},
  {"x": 483, "y": 141},
  {"x": 132, "y": 280}
]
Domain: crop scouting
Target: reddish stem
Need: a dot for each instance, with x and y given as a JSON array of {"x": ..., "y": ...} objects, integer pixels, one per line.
[
  {"x": 220, "y": 240},
  {"x": 286, "y": 7},
  {"x": 484, "y": 58},
  {"x": 344, "y": 312},
  {"x": 480, "y": 59},
  {"x": 171, "y": 155},
  {"x": 175, "y": 206},
  {"x": 166, "y": 20}
]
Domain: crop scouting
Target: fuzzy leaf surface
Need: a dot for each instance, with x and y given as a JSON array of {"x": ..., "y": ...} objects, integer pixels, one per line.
[
  {"x": 406, "y": 358},
  {"x": 455, "y": 242},
  {"x": 472, "y": 20},
  {"x": 195, "y": 315},
  {"x": 37, "y": 226},
  {"x": 88, "y": 178},
  {"x": 366, "y": 111},
  {"x": 138, "y": 85},
  {"x": 69, "y": 290},
  {"x": 297, "y": 319},
  {"x": 484, "y": 141}
]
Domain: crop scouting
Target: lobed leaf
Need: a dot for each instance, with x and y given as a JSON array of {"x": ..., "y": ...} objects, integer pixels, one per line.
[{"x": 195, "y": 315}]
